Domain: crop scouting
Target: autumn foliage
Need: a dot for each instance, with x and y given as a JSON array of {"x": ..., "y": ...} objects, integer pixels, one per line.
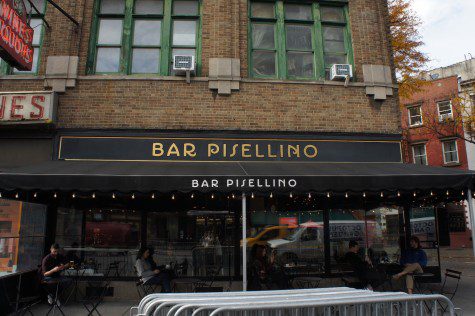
[{"x": 409, "y": 61}]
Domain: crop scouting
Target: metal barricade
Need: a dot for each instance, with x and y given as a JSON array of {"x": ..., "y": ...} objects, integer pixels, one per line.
[{"x": 311, "y": 302}]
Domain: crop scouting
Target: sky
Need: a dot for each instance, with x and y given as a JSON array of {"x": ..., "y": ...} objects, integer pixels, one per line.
[{"x": 448, "y": 30}]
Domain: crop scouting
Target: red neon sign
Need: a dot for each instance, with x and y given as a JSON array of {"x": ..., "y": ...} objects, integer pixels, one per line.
[{"x": 16, "y": 36}]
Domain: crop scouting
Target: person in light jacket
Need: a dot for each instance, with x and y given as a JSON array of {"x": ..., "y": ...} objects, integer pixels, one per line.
[{"x": 149, "y": 276}]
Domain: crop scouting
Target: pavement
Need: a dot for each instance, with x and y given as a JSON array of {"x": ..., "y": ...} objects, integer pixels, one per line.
[{"x": 461, "y": 260}]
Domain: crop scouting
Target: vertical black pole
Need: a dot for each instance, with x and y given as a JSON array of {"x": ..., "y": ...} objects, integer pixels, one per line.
[{"x": 326, "y": 239}]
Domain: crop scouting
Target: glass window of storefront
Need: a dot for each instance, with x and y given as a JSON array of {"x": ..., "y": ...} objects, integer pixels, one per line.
[{"x": 22, "y": 235}]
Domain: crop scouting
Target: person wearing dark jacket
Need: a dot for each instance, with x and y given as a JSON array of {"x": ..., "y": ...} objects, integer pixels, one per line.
[
  {"x": 370, "y": 277},
  {"x": 413, "y": 261}
]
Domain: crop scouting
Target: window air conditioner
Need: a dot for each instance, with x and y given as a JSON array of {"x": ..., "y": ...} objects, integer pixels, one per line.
[
  {"x": 341, "y": 72},
  {"x": 445, "y": 117},
  {"x": 183, "y": 63}
]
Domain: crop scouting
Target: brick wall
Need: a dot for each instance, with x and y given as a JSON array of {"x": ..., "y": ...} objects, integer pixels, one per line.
[
  {"x": 170, "y": 103},
  {"x": 435, "y": 91}
]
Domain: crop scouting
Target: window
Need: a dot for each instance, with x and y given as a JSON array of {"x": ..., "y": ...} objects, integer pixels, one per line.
[
  {"x": 450, "y": 151},
  {"x": 36, "y": 23},
  {"x": 419, "y": 154},
  {"x": 141, "y": 36},
  {"x": 22, "y": 235},
  {"x": 297, "y": 41},
  {"x": 445, "y": 110},
  {"x": 415, "y": 116}
]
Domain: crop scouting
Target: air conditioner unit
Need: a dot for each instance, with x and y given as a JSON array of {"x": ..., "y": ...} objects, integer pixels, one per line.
[
  {"x": 183, "y": 63},
  {"x": 341, "y": 72},
  {"x": 445, "y": 117}
]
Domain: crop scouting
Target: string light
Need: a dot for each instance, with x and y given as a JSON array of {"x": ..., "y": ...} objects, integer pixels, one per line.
[
  {"x": 212, "y": 195},
  {"x": 133, "y": 196},
  {"x": 173, "y": 196},
  {"x": 310, "y": 195},
  {"x": 291, "y": 195},
  {"x": 382, "y": 194},
  {"x": 55, "y": 195},
  {"x": 74, "y": 195},
  {"x": 192, "y": 195},
  {"x": 233, "y": 196},
  {"x": 113, "y": 195},
  {"x": 93, "y": 195},
  {"x": 153, "y": 195},
  {"x": 16, "y": 195},
  {"x": 252, "y": 195},
  {"x": 398, "y": 194},
  {"x": 346, "y": 195},
  {"x": 271, "y": 195},
  {"x": 447, "y": 193},
  {"x": 364, "y": 194},
  {"x": 414, "y": 194},
  {"x": 34, "y": 195},
  {"x": 328, "y": 194},
  {"x": 431, "y": 193},
  {"x": 463, "y": 193},
  {"x": 0, "y": 195}
]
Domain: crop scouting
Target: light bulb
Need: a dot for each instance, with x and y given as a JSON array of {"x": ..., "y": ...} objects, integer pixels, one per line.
[
  {"x": 34, "y": 195},
  {"x": 173, "y": 196},
  {"x": 310, "y": 195},
  {"x": 55, "y": 195},
  {"x": 252, "y": 195},
  {"x": 346, "y": 195},
  {"x": 153, "y": 195},
  {"x": 271, "y": 195},
  {"x": 74, "y": 195},
  {"x": 93, "y": 195},
  {"x": 328, "y": 194},
  {"x": 447, "y": 192},
  {"x": 133, "y": 196},
  {"x": 113, "y": 195},
  {"x": 398, "y": 194},
  {"x": 382, "y": 194},
  {"x": 291, "y": 195},
  {"x": 16, "y": 195},
  {"x": 212, "y": 196},
  {"x": 192, "y": 195},
  {"x": 364, "y": 194}
]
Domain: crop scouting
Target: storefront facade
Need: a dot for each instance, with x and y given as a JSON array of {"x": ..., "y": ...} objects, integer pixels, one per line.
[{"x": 259, "y": 145}]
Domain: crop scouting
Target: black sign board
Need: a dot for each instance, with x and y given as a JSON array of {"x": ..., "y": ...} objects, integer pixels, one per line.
[
  {"x": 457, "y": 222},
  {"x": 227, "y": 149}
]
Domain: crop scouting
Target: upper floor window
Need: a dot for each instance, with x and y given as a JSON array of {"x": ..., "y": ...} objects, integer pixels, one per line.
[
  {"x": 36, "y": 23},
  {"x": 142, "y": 36},
  {"x": 450, "y": 151},
  {"x": 415, "y": 115},
  {"x": 419, "y": 154},
  {"x": 297, "y": 40},
  {"x": 445, "y": 110}
]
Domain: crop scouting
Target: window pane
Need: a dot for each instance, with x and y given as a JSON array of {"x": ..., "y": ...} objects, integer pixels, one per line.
[
  {"x": 263, "y": 63},
  {"x": 39, "y": 4},
  {"x": 298, "y": 12},
  {"x": 262, "y": 10},
  {"x": 334, "y": 47},
  {"x": 332, "y": 14},
  {"x": 333, "y": 33},
  {"x": 149, "y": 6},
  {"x": 263, "y": 36},
  {"x": 112, "y": 6},
  {"x": 300, "y": 64},
  {"x": 415, "y": 111},
  {"x": 185, "y": 7},
  {"x": 145, "y": 60},
  {"x": 108, "y": 59},
  {"x": 110, "y": 32},
  {"x": 184, "y": 33},
  {"x": 445, "y": 108},
  {"x": 147, "y": 32},
  {"x": 37, "y": 26},
  {"x": 334, "y": 59},
  {"x": 298, "y": 37}
]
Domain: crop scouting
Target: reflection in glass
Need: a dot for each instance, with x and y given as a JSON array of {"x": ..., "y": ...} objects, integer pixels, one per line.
[
  {"x": 39, "y": 4},
  {"x": 298, "y": 12},
  {"x": 298, "y": 37},
  {"x": 423, "y": 226},
  {"x": 145, "y": 60},
  {"x": 108, "y": 59},
  {"x": 184, "y": 33},
  {"x": 262, "y": 9},
  {"x": 263, "y": 63},
  {"x": 36, "y": 25},
  {"x": 185, "y": 7},
  {"x": 263, "y": 36},
  {"x": 112, "y": 6},
  {"x": 300, "y": 64},
  {"x": 147, "y": 32},
  {"x": 149, "y": 6},
  {"x": 110, "y": 32}
]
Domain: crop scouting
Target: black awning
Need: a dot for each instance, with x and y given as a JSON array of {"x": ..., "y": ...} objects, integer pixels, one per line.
[{"x": 231, "y": 176}]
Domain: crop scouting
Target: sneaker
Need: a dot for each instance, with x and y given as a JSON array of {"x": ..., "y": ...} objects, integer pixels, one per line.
[
  {"x": 50, "y": 299},
  {"x": 58, "y": 302}
]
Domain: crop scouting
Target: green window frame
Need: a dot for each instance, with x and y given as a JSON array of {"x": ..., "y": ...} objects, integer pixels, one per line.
[
  {"x": 297, "y": 40},
  {"x": 142, "y": 36},
  {"x": 36, "y": 22}
]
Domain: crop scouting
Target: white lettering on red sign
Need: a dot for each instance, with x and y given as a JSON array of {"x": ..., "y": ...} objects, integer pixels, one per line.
[{"x": 26, "y": 107}]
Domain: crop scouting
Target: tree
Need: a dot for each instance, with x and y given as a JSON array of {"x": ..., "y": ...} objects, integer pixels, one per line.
[
  {"x": 406, "y": 43},
  {"x": 460, "y": 125}
]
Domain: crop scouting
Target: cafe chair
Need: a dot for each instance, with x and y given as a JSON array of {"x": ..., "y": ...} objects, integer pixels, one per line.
[
  {"x": 96, "y": 290},
  {"x": 142, "y": 288},
  {"x": 450, "y": 286},
  {"x": 206, "y": 284},
  {"x": 52, "y": 288},
  {"x": 20, "y": 305}
]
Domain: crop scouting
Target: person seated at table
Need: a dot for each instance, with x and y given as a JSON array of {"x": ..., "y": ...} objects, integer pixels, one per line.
[
  {"x": 148, "y": 275},
  {"x": 163, "y": 268},
  {"x": 413, "y": 260},
  {"x": 364, "y": 270},
  {"x": 51, "y": 267}
]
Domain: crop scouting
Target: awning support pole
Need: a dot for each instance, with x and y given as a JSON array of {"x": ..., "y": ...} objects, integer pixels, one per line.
[
  {"x": 244, "y": 243},
  {"x": 66, "y": 14},
  {"x": 471, "y": 211}
]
